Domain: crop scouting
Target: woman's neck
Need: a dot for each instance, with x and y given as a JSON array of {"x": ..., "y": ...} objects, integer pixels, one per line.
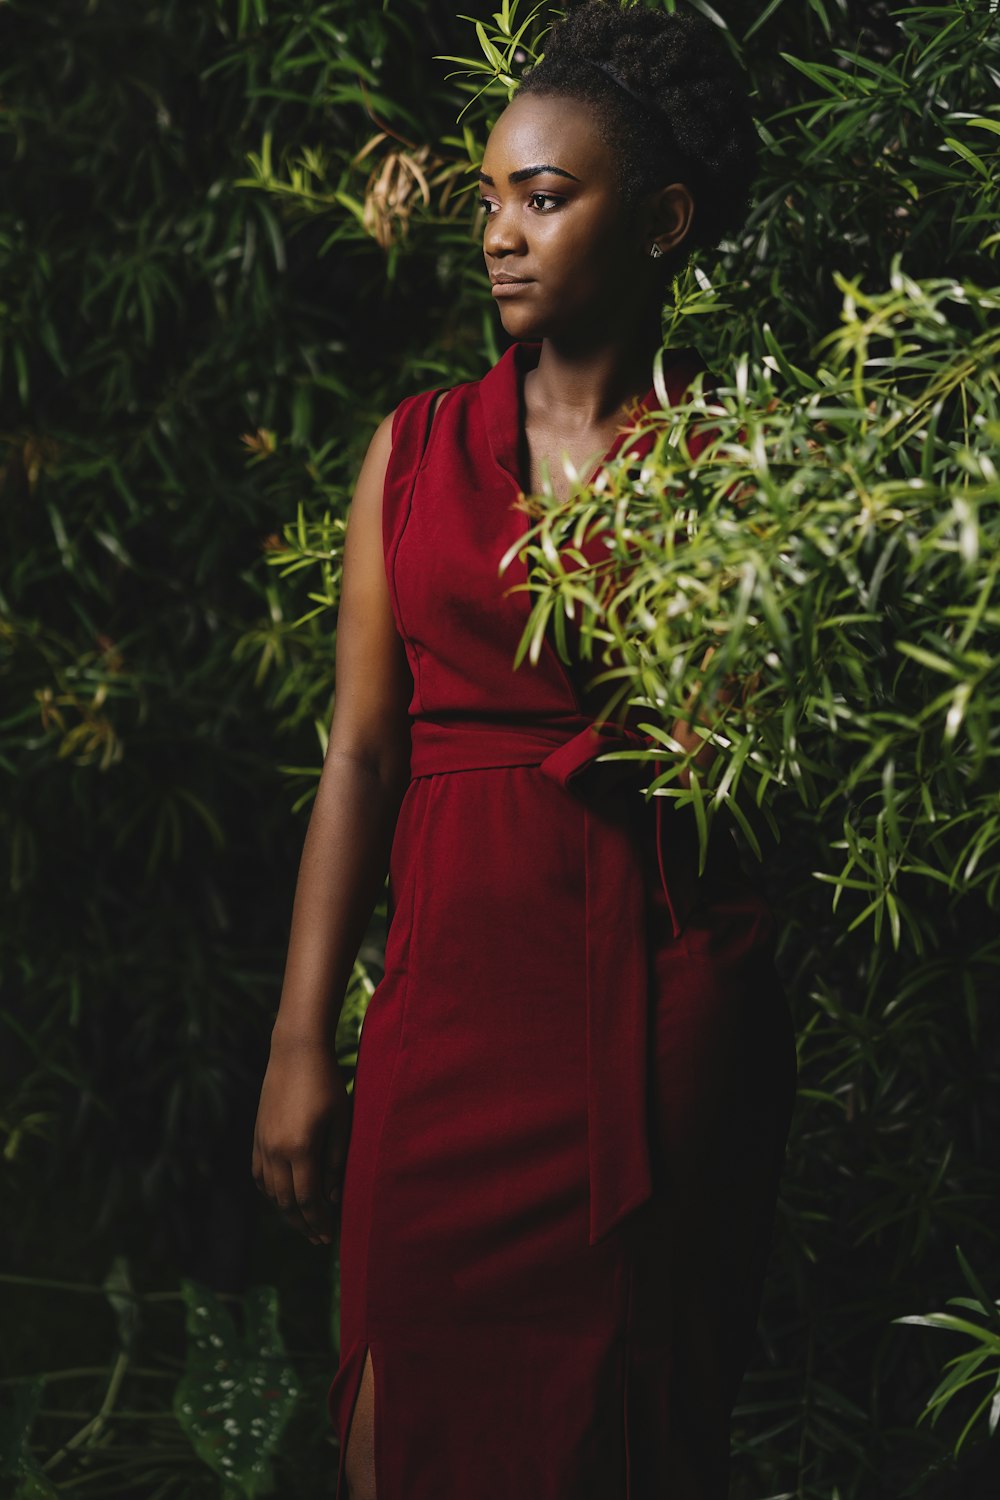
[{"x": 584, "y": 389}]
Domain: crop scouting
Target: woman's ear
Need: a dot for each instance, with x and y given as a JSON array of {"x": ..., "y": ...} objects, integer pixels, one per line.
[{"x": 668, "y": 216}]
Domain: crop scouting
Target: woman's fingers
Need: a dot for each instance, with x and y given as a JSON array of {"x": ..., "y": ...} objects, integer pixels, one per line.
[
  {"x": 313, "y": 1208},
  {"x": 300, "y": 1136},
  {"x": 282, "y": 1193},
  {"x": 293, "y": 1182}
]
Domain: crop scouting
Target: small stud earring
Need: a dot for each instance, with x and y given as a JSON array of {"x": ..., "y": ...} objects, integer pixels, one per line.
[{"x": 655, "y": 250}]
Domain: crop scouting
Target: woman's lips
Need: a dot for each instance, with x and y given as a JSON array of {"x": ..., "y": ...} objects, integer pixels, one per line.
[{"x": 510, "y": 288}]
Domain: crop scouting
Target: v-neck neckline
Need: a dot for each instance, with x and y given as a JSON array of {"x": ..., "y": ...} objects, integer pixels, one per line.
[
  {"x": 501, "y": 395},
  {"x": 504, "y": 407},
  {"x": 502, "y": 390},
  {"x": 524, "y": 366}
]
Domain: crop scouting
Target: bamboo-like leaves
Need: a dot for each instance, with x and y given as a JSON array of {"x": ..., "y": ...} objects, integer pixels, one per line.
[
  {"x": 976, "y": 1372},
  {"x": 834, "y": 568}
]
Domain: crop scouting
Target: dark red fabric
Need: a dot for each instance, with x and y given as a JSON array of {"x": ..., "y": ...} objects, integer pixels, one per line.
[{"x": 575, "y": 1078}]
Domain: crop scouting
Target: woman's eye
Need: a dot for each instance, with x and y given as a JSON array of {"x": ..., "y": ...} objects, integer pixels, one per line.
[{"x": 542, "y": 203}]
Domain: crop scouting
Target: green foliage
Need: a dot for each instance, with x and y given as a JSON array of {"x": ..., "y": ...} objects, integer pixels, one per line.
[
  {"x": 978, "y": 1364},
  {"x": 233, "y": 237},
  {"x": 838, "y": 545},
  {"x": 237, "y": 1391},
  {"x": 507, "y": 47},
  {"x": 158, "y": 325},
  {"x": 16, "y": 1459},
  {"x": 148, "y": 1422}
]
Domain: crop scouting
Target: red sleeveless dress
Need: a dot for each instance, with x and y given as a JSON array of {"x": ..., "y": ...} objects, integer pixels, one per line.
[{"x": 576, "y": 1076}]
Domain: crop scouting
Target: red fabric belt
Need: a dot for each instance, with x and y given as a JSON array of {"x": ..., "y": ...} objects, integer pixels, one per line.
[{"x": 617, "y": 955}]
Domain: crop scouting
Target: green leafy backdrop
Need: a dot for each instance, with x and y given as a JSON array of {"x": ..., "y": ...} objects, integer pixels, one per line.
[{"x": 233, "y": 236}]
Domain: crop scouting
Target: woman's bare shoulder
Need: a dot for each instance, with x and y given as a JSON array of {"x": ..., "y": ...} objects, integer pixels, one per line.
[
  {"x": 380, "y": 447},
  {"x": 370, "y": 482},
  {"x": 371, "y": 477}
]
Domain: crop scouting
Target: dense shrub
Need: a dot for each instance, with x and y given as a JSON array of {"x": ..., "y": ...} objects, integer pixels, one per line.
[{"x": 231, "y": 235}]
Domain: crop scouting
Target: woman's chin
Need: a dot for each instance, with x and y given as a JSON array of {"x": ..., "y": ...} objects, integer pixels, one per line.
[{"x": 521, "y": 323}]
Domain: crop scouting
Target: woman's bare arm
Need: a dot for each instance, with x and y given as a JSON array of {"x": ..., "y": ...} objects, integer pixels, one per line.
[
  {"x": 303, "y": 1119},
  {"x": 365, "y": 772}
]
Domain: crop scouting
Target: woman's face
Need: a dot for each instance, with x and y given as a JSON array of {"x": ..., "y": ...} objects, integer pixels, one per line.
[{"x": 568, "y": 261}]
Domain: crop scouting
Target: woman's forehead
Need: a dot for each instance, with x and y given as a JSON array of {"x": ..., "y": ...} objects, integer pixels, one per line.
[{"x": 551, "y": 129}]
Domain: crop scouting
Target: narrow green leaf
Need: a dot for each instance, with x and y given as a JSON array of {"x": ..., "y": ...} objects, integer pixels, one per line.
[{"x": 967, "y": 154}]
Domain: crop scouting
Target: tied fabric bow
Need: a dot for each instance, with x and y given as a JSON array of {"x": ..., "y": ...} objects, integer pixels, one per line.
[{"x": 618, "y": 959}]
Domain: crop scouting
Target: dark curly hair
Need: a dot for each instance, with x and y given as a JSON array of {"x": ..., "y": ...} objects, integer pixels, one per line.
[{"x": 678, "y": 112}]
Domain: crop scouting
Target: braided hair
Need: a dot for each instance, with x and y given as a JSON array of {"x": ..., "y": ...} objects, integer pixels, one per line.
[{"x": 668, "y": 98}]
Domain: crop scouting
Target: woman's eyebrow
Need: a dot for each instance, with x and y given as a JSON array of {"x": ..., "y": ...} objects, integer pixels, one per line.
[{"x": 526, "y": 172}]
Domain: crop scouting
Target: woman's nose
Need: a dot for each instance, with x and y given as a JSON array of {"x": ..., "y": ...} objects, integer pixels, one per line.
[{"x": 503, "y": 234}]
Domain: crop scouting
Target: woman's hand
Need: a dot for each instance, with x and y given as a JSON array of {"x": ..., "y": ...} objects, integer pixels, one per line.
[{"x": 300, "y": 1138}]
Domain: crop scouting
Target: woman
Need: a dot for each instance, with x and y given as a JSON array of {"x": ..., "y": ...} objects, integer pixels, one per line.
[{"x": 575, "y": 1078}]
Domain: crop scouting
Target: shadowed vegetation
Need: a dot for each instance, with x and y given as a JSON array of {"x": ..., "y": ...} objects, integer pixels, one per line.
[{"x": 233, "y": 236}]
